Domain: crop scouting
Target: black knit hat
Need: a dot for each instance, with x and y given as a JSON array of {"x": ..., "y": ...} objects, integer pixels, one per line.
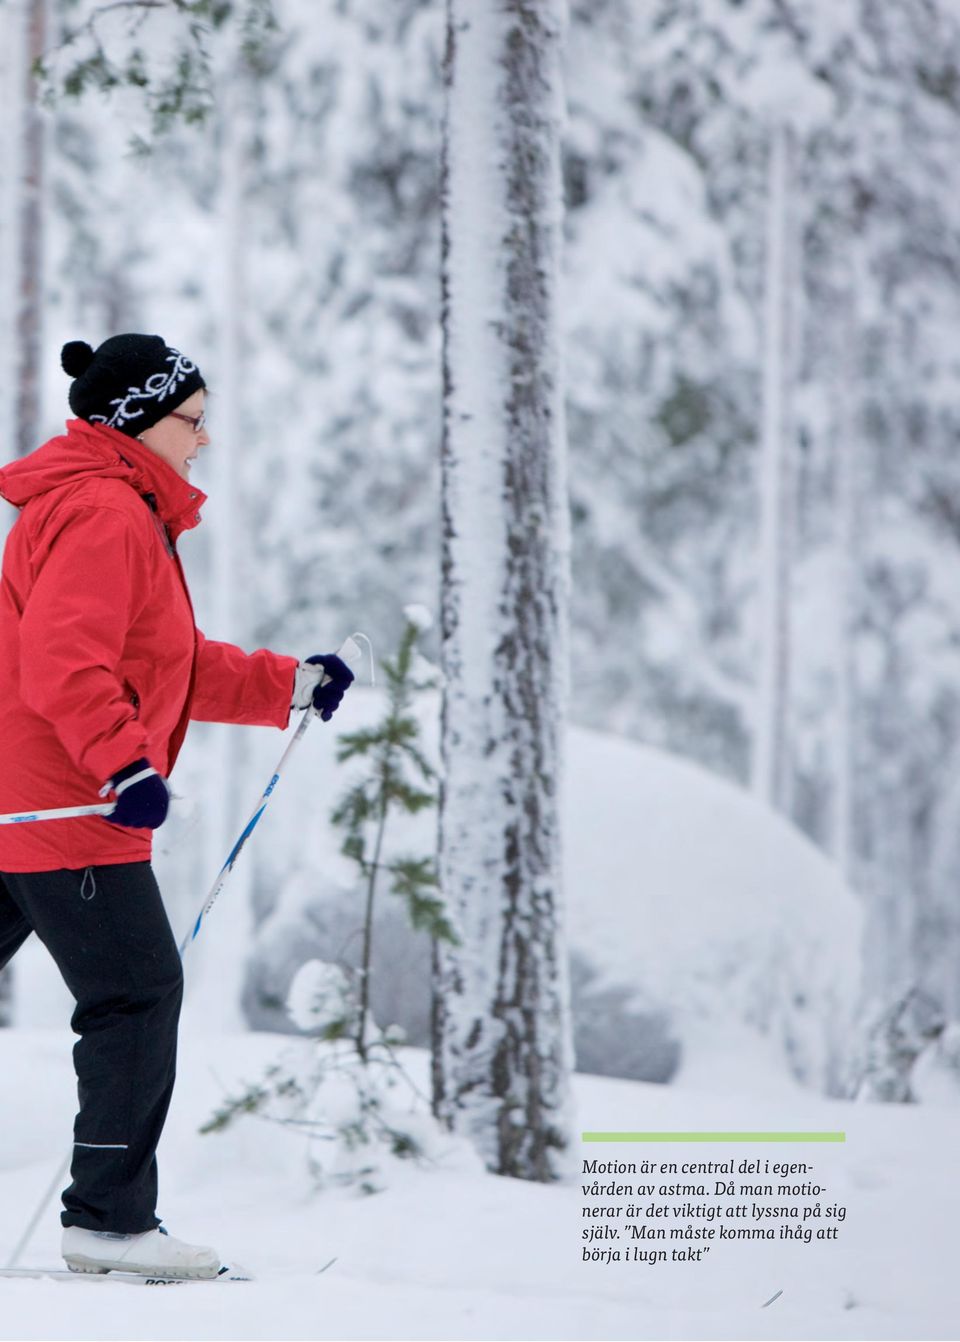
[{"x": 131, "y": 382}]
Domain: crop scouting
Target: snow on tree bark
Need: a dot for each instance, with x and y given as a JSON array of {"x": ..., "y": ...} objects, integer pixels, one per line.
[{"x": 501, "y": 1034}]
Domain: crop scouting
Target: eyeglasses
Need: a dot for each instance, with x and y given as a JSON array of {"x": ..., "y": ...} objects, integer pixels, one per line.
[{"x": 198, "y": 421}]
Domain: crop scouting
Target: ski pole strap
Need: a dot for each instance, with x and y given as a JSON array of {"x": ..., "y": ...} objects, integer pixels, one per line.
[{"x": 110, "y": 786}]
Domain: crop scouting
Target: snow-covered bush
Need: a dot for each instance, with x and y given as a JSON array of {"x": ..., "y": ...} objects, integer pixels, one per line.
[{"x": 359, "y": 1111}]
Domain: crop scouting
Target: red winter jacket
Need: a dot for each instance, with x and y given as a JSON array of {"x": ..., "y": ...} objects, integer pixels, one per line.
[{"x": 100, "y": 660}]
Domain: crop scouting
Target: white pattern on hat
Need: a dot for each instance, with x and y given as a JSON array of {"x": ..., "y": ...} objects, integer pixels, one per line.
[{"x": 156, "y": 388}]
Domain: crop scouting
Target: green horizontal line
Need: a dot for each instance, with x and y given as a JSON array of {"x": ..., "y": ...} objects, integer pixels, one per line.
[{"x": 714, "y": 1136}]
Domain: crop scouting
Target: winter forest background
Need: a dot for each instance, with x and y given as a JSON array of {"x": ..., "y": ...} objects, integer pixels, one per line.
[{"x": 759, "y": 304}]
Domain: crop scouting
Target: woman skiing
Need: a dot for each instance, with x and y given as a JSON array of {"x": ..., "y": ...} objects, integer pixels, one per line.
[{"x": 101, "y": 669}]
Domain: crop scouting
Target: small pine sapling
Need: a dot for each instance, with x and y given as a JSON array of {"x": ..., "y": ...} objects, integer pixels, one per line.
[
  {"x": 356, "y": 1062},
  {"x": 399, "y": 779}
]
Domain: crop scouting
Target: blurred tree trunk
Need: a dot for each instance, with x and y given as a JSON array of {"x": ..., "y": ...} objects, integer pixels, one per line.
[
  {"x": 6, "y": 997},
  {"x": 771, "y": 756},
  {"x": 23, "y": 227},
  {"x": 219, "y": 976},
  {"x": 29, "y": 320},
  {"x": 501, "y": 1033},
  {"x": 12, "y": 98},
  {"x": 845, "y": 396}
]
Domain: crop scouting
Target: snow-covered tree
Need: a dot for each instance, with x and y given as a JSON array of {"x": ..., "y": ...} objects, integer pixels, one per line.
[
  {"x": 845, "y": 404},
  {"x": 502, "y": 1048}
]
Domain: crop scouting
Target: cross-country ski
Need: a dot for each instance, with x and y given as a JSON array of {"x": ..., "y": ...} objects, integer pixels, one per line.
[{"x": 61, "y": 1274}]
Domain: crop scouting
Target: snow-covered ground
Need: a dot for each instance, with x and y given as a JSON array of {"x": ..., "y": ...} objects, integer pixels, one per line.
[
  {"x": 679, "y": 885},
  {"x": 450, "y": 1252}
]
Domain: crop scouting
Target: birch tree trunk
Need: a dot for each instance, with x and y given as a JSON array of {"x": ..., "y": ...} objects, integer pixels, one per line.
[
  {"x": 771, "y": 746},
  {"x": 501, "y": 1034}
]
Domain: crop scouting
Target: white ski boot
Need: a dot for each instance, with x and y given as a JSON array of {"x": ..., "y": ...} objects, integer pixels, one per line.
[{"x": 151, "y": 1254}]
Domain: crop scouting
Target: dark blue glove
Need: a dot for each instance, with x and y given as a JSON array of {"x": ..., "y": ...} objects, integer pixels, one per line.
[
  {"x": 143, "y": 797},
  {"x": 326, "y": 698}
]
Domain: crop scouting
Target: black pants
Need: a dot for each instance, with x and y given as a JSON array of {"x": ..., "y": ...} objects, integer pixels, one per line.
[{"x": 107, "y": 929}]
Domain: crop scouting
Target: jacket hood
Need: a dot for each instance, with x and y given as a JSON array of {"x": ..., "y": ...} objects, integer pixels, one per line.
[{"x": 94, "y": 451}]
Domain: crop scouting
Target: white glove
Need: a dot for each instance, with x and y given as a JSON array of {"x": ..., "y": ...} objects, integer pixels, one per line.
[{"x": 307, "y": 679}]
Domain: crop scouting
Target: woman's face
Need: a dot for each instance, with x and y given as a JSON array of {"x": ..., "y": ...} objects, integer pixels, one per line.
[{"x": 176, "y": 441}]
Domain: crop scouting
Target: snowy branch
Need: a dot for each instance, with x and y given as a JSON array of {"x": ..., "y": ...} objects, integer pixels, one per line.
[{"x": 171, "y": 69}]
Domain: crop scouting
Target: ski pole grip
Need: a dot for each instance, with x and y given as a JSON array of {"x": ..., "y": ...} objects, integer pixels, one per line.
[{"x": 350, "y": 652}]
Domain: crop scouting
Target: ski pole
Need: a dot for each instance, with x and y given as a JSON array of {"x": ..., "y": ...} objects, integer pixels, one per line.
[
  {"x": 27, "y": 1235},
  {"x": 350, "y": 653},
  {"x": 61, "y": 813},
  {"x": 248, "y": 829}
]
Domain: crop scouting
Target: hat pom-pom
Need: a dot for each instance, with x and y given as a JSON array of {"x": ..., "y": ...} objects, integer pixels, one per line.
[{"x": 76, "y": 357}]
